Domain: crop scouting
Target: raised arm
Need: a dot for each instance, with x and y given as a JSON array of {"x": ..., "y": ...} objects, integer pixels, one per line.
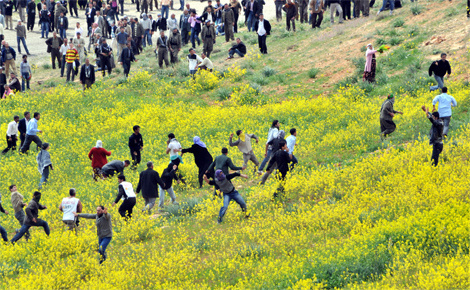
[{"x": 232, "y": 166}]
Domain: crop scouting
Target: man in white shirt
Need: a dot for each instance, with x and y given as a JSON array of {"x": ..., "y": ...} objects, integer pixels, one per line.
[
  {"x": 173, "y": 148},
  {"x": 263, "y": 29},
  {"x": 68, "y": 206},
  {"x": 172, "y": 23},
  {"x": 127, "y": 194},
  {"x": 12, "y": 134},
  {"x": 446, "y": 102},
  {"x": 206, "y": 63},
  {"x": 78, "y": 29},
  {"x": 63, "y": 51},
  {"x": 291, "y": 146},
  {"x": 193, "y": 60}
]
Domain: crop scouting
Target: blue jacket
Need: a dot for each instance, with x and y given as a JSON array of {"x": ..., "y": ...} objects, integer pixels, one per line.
[{"x": 4, "y": 54}]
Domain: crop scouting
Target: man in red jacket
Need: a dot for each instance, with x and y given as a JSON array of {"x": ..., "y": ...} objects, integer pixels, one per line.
[{"x": 98, "y": 158}]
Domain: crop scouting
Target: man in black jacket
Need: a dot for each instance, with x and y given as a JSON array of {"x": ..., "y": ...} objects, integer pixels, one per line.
[
  {"x": 3, "y": 81},
  {"x": 22, "y": 127},
  {"x": 280, "y": 160},
  {"x": 276, "y": 145},
  {"x": 251, "y": 10},
  {"x": 148, "y": 182},
  {"x": 239, "y": 48},
  {"x": 53, "y": 46},
  {"x": 31, "y": 12},
  {"x": 439, "y": 68},
  {"x": 127, "y": 56},
  {"x": 87, "y": 75},
  {"x": 291, "y": 13},
  {"x": 263, "y": 29},
  {"x": 185, "y": 27},
  {"x": 105, "y": 57},
  {"x": 435, "y": 134},
  {"x": 136, "y": 145},
  {"x": 90, "y": 17}
]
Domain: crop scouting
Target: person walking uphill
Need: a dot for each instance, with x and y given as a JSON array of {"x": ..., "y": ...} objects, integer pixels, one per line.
[
  {"x": 272, "y": 134},
  {"x": 276, "y": 146},
  {"x": 317, "y": 8},
  {"x": 104, "y": 228},
  {"x": 136, "y": 145},
  {"x": 223, "y": 182},
  {"x": 44, "y": 163},
  {"x": 440, "y": 68},
  {"x": 97, "y": 155},
  {"x": 68, "y": 206},
  {"x": 291, "y": 14},
  {"x": 168, "y": 175},
  {"x": 12, "y": 135},
  {"x": 127, "y": 194},
  {"x": 446, "y": 102},
  {"x": 228, "y": 19},
  {"x": 244, "y": 145},
  {"x": 202, "y": 157},
  {"x": 18, "y": 205},
  {"x": 280, "y": 161},
  {"x": 435, "y": 134},
  {"x": 31, "y": 219},
  {"x": 31, "y": 131},
  {"x": 387, "y": 126},
  {"x": 149, "y": 182}
]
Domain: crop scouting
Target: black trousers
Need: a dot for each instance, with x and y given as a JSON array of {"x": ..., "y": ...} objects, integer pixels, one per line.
[
  {"x": 10, "y": 144},
  {"x": 235, "y": 27},
  {"x": 27, "y": 142},
  {"x": 105, "y": 61},
  {"x": 125, "y": 210},
  {"x": 262, "y": 44},
  {"x": 436, "y": 150},
  {"x": 127, "y": 67},
  {"x": 136, "y": 158},
  {"x": 55, "y": 54},
  {"x": 73, "y": 5},
  {"x": 202, "y": 170},
  {"x": 31, "y": 18},
  {"x": 22, "y": 138},
  {"x": 288, "y": 22},
  {"x": 317, "y": 19},
  {"x": 346, "y": 6}
]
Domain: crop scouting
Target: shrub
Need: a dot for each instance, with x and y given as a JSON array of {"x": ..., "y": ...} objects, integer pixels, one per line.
[
  {"x": 268, "y": 71},
  {"x": 312, "y": 73},
  {"x": 359, "y": 63},
  {"x": 121, "y": 80},
  {"x": 398, "y": 22},
  {"x": 348, "y": 81},
  {"x": 260, "y": 79},
  {"x": 223, "y": 93},
  {"x": 413, "y": 31},
  {"x": 234, "y": 73},
  {"x": 366, "y": 86},
  {"x": 363, "y": 48},
  {"x": 246, "y": 94},
  {"x": 395, "y": 41},
  {"x": 416, "y": 9},
  {"x": 50, "y": 84},
  {"x": 380, "y": 41},
  {"x": 46, "y": 66}
]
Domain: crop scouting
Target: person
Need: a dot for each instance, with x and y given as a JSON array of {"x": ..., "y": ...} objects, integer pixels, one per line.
[
  {"x": 22, "y": 127},
  {"x": 127, "y": 194},
  {"x": 168, "y": 175},
  {"x": 195, "y": 28},
  {"x": 440, "y": 68},
  {"x": 173, "y": 148},
  {"x": 275, "y": 145},
  {"x": 206, "y": 63},
  {"x": 273, "y": 133},
  {"x": 127, "y": 56},
  {"x": 104, "y": 226},
  {"x": 252, "y": 11},
  {"x": 3, "y": 81},
  {"x": 79, "y": 44},
  {"x": 21, "y": 36},
  {"x": 185, "y": 27},
  {"x": 31, "y": 12},
  {"x": 446, "y": 102},
  {"x": 303, "y": 10},
  {"x": 222, "y": 162},
  {"x": 236, "y": 8},
  {"x": 175, "y": 45},
  {"x": 25, "y": 70},
  {"x": 95, "y": 30},
  {"x": 109, "y": 169},
  {"x": 12, "y": 132},
  {"x": 387, "y": 126},
  {"x": 53, "y": 46},
  {"x": 90, "y": 17},
  {"x": 44, "y": 21},
  {"x": 87, "y": 75},
  {"x": 7, "y": 92},
  {"x": 62, "y": 25},
  {"x": 136, "y": 145},
  {"x": 8, "y": 13},
  {"x": 370, "y": 66},
  {"x": 68, "y": 206},
  {"x": 223, "y": 182},
  {"x": 263, "y": 29},
  {"x": 14, "y": 84},
  {"x": 31, "y": 219},
  {"x": 63, "y": 53},
  {"x": 101, "y": 23},
  {"x": 291, "y": 143},
  {"x": 291, "y": 13},
  {"x": 360, "y": 5},
  {"x": 172, "y": 23},
  {"x": 73, "y": 7},
  {"x": 105, "y": 57},
  {"x": 147, "y": 25},
  {"x": 239, "y": 48},
  {"x": 44, "y": 163},
  {"x": 336, "y": 6},
  {"x": 3, "y": 232},
  {"x": 165, "y": 8},
  {"x": 202, "y": 157},
  {"x": 392, "y": 6},
  {"x": 31, "y": 133},
  {"x": 435, "y": 134},
  {"x": 193, "y": 60},
  {"x": 70, "y": 57},
  {"x": 149, "y": 181},
  {"x": 244, "y": 145},
  {"x": 280, "y": 161},
  {"x": 317, "y": 8},
  {"x": 208, "y": 37},
  {"x": 18, "y": 205},
  {"x": 228, "y": 19},
  {"x": 162, "y": 43},
  {"x": 97, "y": 155},
  {"x": 8, "y": 59}
]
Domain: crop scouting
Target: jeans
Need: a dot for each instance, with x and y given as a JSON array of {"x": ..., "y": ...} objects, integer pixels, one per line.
[
  {"x": 446, "y": 125},
  {"x": 165, "y": 11},
  {"x": 192, "y": 71},
  {"x": 436, "y": 150},
  {"x": 25, "y": 229},
  {"x": 147, "y": 38},
  {"x": 44, "y": 177},
  {"x": 293, "y": 162},
  {"x": 103, "y": 244},
  {"x": 45, "y": 29},
  {"x": 23, "y": 40},
  {"x": 24, "y": 80},
  {"x": 392, "y": 5},
  {"x": 233, "y": 51},
  {"x": 265, "y": 160},
  {"x": 171, "y": 193},
  {"x": 182, "y": 4},
  {"x": 27, "y": 142},
  {"x": 440, "y": 83},
  {"x": 3, "y": 232},
  {"x": 194, "y": 37},
  {"x": 63, "y": 33},
  {"x": 227, "y": 198},
  {"x": 250, "y": 23}
]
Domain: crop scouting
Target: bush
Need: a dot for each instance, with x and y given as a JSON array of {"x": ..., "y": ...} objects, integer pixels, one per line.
[
  {"x": 359, "y": 63},
  {"x": 416, "y": 9},
  {"x": 395, "y": 41},
  {"x": 223, "y": 93},
  {"x": 121, "y": 80},
  {"x": 366, "y": 86},
  {"x": 398, "y": 22},
  {"x": 312, "y": 73},
  {"x": 380, "y": 41},
  {"x": 413, "y": 31},
  {"x": 348, "y": 81},
  {"x": 50, "y": 84},
  {"x": 260, "y": 80},
  {"x": 268, "y": 71},
  {"x": 46, "y": 66}
]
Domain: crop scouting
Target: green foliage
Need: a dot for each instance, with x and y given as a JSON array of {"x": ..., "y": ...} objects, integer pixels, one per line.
[
  {"x": 268, "y": 71},
  {"x": 395, "y": 41},
  {"x": 366, "y": 86},
  {"x": 46, "y": 66},
  {"x": 416, "y": 9},
  {"x": 359, "y": 63},
  {"x": 413, "y": 31},
  {"x": 186, "y": 208},
  {"x": 399, "y": 22},
  {"x": 223, "y": 93},
  {"x": 380, "y": 41},
  {"x": 260, "y": 79},
  {"x": 313, "y": 72},
  {"x": 50, "y": 84}
]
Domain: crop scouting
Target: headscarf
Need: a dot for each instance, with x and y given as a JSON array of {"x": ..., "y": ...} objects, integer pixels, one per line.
[
  {"x": 99, "y": 144},
  {"x": 282, "y": 134},
  {"x": 371, "y": 48},
  {"x": 219, "y": 175},
  {"x": 390, "y": 96},
  {"x": 198, "y": 141}
]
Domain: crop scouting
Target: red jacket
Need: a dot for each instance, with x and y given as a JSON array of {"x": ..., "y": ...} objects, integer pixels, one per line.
[{"x": 98, "y": 157}]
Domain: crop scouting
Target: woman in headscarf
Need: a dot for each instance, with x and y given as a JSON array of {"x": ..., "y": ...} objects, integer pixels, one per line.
[
  {"x": 98, "y": 158},
  {"x": 44, "y": 163},
  {"x": 369, "y": 70},
  {"x": 202, "y": 157}
]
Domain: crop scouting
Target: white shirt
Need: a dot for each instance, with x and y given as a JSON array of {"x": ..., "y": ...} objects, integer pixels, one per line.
[
  {"x": 12, "y": 128},
  {"x": 261, "y": 30},
  {"x": 193, "y": 62},
  {"x": 209, "y": 17},
  {"x": 63, "y": 49},
  {"x": 78, "y": 30},
  {"x": 173, "y": 146},
  {"x": 127, "y": 189},
  {"x": 291, "y": 143},
  {"x": 69, "y": 206},
  {"x": 207, "y": 62},
  {"x": 172, "y": 24}
]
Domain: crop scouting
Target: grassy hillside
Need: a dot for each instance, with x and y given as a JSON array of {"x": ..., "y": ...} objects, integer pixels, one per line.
[{"x": 357, "y": 212}]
